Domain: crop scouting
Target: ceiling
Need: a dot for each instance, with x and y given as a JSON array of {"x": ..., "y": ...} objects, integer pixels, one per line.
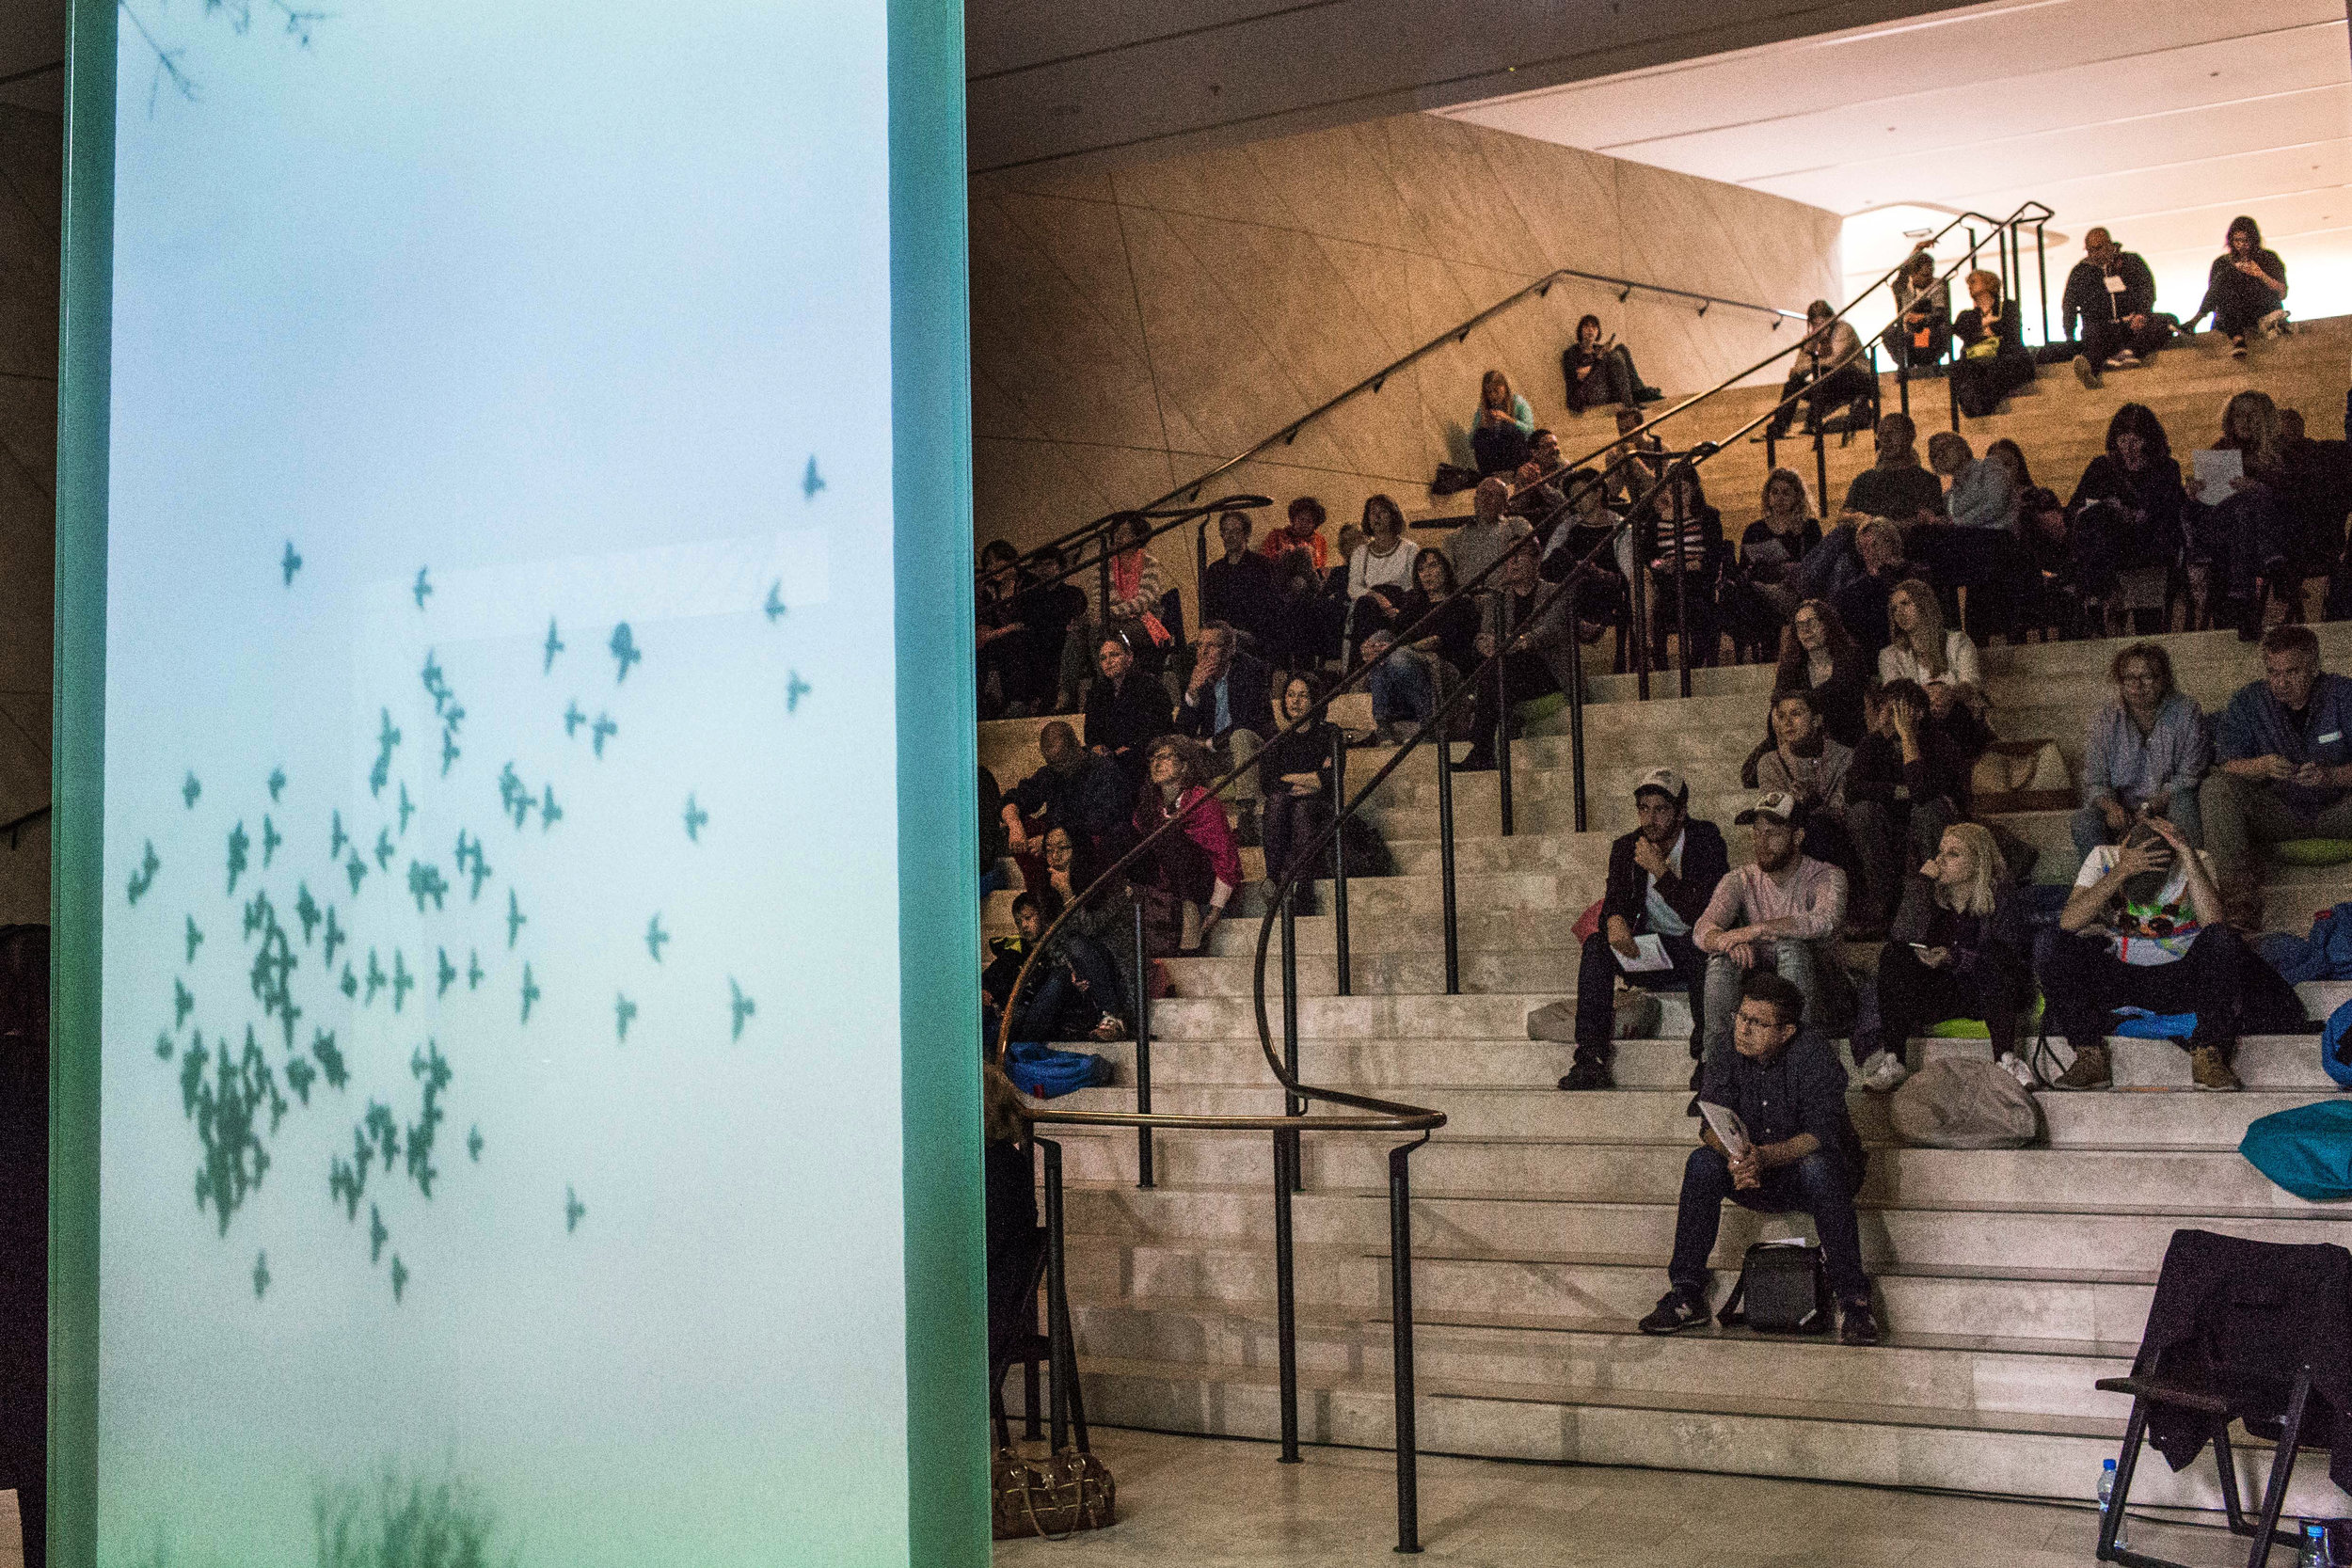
[{"x": 2158, "y": 118}]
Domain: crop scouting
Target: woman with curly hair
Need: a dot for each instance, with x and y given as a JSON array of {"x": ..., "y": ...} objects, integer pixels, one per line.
[{"x": 1199, "y": 863}]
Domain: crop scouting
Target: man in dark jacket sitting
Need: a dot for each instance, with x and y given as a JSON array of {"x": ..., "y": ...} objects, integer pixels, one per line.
[
  {"x": 2110, "y": 310},
  {"x": 1077, "y": 791},
  {"x": 1800, "y": 1154},
  {"x": 1661, "y": 877},
  {"x": 1228, "y": 705}
]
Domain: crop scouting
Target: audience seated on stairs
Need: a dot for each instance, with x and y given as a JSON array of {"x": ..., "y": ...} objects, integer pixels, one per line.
[
  {"x": 1020, "y": 626},
  {"x": 1681, "y": 538},
  {"x": 1855, "y": 568},
  {"x": 1480, "y": 542},
  {"x": 1296, "y": 778},
  {"x": 2126, "y": 512},
  {"x": 1923, "y": 650},
  {"x": 1782, "y": 912},
  {"x": 1536, "y": 492},
  {"x": 2283, "y": 750},
  {"x": 1596, "y": 373},
  {"x": 2107, "y": 312},
  {"x": 1763, "y": 593},
  {"x": 1242, "y": 588},
  {"x": 1108, "y": 916},
  {"x": 2144, "y": 928},
  {"x": 1908, "y": 783},
  {"x": 1085, "y": 792},
  {"x": 2048, "y": 600},
  {"x": 1198, "y": 864},
  {"x": 1072, "y": 991},
  {"x": 2318, "y": 499},
  {"x": 1819, "y": 656},
  {"x": 1991, "y": 362},
  {"x": 1589, "y": 541},
  {"x": 1661, "y": 877},
  {"x": 1977, "y": 549},
  {"x": 1534, "y": 638},
  {"x": 2148, "y": 751},
  {"x": 1961, "y": 951},
  {"x": 1380, "y": 570},
  {"x": 1301, "y": 531},
  {"x": 1629, "y": 481},
  {"x": 1402, "y": 684},
  {"x": 1452, "y": 635},
  {"x": 1228, "y": 706},
  {"x": 1805, "y": 764},
  {"x": 1784, "y": 1081},
  {"x": 1501, "y": 428},
  {"x": 1896, "y": 486},
  {"x": 2241, "y": 541},
  {"x": 1139, "y": 585},
  {"x": 2245, "y": 289},
  {"x": 1125, "y": 708},
  {"x": 1827, "y": 372},
  {"x": 1921, "y": 331}
]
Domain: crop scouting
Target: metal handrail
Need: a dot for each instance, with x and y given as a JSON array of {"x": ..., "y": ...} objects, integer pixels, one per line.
[{"x": 1454, "y": 333}]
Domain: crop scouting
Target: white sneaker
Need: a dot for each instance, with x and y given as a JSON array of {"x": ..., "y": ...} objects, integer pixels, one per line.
[
  {"x": 2127, "y": 361},
  {"x": 2275, "y": 324},
  {"x": 1885, "y": 1074},
  {"x": 2015, "y": 1067}
]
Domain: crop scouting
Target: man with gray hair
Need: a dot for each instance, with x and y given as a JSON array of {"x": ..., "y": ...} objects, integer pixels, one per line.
[
  {"x": 1480, "y": 542},
  {"x": 1227, "y": 704}
]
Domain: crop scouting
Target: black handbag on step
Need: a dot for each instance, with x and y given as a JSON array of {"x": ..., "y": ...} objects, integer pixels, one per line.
[{"x": 1783, "y": 1289}]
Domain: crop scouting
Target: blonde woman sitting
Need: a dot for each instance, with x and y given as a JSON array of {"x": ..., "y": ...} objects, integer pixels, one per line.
[{"x": 1968, "y": 957}]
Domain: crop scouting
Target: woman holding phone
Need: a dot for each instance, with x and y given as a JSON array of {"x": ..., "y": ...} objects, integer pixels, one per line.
[{"x": 1968, "y": 958}]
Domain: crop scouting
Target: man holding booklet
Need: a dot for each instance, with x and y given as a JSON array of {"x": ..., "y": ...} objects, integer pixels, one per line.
[
  {"x": 1661, "y": 877},
  {"x": 1775, "y": 1136}
]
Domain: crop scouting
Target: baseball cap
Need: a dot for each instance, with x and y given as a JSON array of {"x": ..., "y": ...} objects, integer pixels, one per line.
[
  {"x": 1780, "y": 805},
  {"x": 1666, "y": 782}
]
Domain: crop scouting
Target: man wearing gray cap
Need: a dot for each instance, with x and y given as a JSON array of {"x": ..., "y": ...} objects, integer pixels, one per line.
[
  {"x": 1784, "y": 912},
  {"x": 1659, "y": 877}
]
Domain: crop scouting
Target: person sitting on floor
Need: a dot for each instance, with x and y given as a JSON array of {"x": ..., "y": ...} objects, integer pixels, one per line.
[
  {"x": 1448, "y": 623},
  {"x": 2144, "y": 928},
  {"x": 1977, "y": 549},
  {"x": 1992, "y": 361},
  {"x": 1500, "y": 431},
  {"x": 1682, "y": 537},
  {"x": 1380, "y": 570},
  {"x": 1921, "y": 331},
  {"x": 2108, "y": 311},
  {"x": 1227, "y": 705},
  {"x": 1083, "y": 791},
  {"x": 1805, "y": 763},
  {"x": 1782, "y": 911},
  {"x": 2148, "y": 752},
  {"x": 1764, "y": 595},
  {"x": 1908, "y": 783},
  {"x": 1854, "y": 570},
  {"x": 1968, "y": 955},
  {"x": 1298, "y": 782},
  {"x": 2242, "y": 541},
  {"x": 1126, "y": 708},
  {"x": 1480, "y": 542},
  {"x": 1588, "y": 544},
  {"x": 2126, "y": 512},
  {"x": 2283, "y": 748},
  {"x": 1661, "y": 877},
  {"x": 1599, "y": 372},
  {"x": 1072, "y": 992},
  {"x": 1139, "y": 587},
  {"x": 1403, "y": 683},
  {"x": 1528, "y": 622},
  {"x": 1827, "y": 372},
  {"x": 1241, "y": 588},
  {"x": 2245, "y": 289},
  {"x": 1199, "y": 863},
  {"x": 1924, "y": 651},
  {"x": 1787, "y": 1087},
  {"x": 1897, "y": 487}
]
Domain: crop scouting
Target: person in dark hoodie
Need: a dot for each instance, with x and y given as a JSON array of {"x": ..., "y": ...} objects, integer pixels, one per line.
[
  {"x": 1661, "y": 877},
  {"x": 2127, "y": 507},
  {"x": 2108, "y": 311}
]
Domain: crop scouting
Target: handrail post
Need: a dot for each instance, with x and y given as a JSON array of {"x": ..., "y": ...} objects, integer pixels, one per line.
[
  {"x": 1952, "y": 390},
  {"x": 1640, "y": 619},
  {"x": 1401, "y": 1347},
  {"x": 1575, "y": 695},
  {"x": 1285, "y": 1306},
  {"x": 1057, "y": 1303},
  {"x": 1820, "y": 464},
  {"x": 1445, "y": 864},
  {"x": 1505, "y": 618},
  {"x": 1682, "y": 584},
  {"x": 1143, "y": 1053},
  {"x": 1339, "y": 863},
  {"x": 2042, "y": 271},
  {"x": 1201, "y": 569},
  {"x": 1292, "y": 1104},
  {"x": 1902, "y": 384}
]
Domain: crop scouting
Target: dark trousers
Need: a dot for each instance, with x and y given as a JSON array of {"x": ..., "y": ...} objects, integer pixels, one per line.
[
  {"x": 1497, "y": 448},
  {"x": 1892, "y": 839},
  {"x": 1613, "y": 380},
  {"x": 2084, "y": 984},
  {"x": 2245, "y": 539},
  {"x": 1291, "y": 822},
  {"x": 1596, "y": 977},
  {"x": 2103, "y": 340},
  {"x": 1980, "y": 385},
  {"x": 1817, "y": 1185},
  {"x": 1842, "y": 386},
  {"x": 1525, "y": 674},
  {"x": 1059, "y": 1006},
  {"x": 1905, "y": 996},
  {"x": 1981, "y": 560},
  {"x": 2238, "y": 303}
]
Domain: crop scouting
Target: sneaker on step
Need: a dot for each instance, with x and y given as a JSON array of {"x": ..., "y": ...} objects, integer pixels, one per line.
[
  {"x": 2017, "y": 1068},
  {"x": 2207, "y": 1070},
  {"x": 2274, "y": 325},
  {"x": 1859, "y": 1326},
  {"x": 2088, "y": 1070},
  {"x": 2086, "y": 372},
  {"x": 1884, "y": 1073},
  {"x": 2238, "y": 348},
  {"x": 2127, "y": 361},
  {"x": 1589, "y": 1075},
  {"x": 1677, "y": 1310}
]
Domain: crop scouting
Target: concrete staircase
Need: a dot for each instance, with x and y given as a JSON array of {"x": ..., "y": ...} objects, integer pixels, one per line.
[{"x": 2011, "y": 1281}]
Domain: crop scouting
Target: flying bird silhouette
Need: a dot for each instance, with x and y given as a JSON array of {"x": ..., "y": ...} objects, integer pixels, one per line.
[
  {"x": 742, "y": 1005},
  {"x": 423, "y": 590},
  {"x": 774, "y": 607},
  {"x": 655, "y": 936},
  {"x": 624, "y": 647},
  {"x": 624, "y": 1010},
  {"x": 810, "y": 481},
  {"x": 289, "y": 563},
  {"x": 695, "y": 817}
]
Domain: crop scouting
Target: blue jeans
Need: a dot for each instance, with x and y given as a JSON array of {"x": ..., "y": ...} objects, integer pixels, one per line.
[
  {"x": 1404, "y": 688},
  {"x": 1059, "y": 1007},
  {"x": 2089, "y": 827},
  {"x": 1816, "y": 1185}
]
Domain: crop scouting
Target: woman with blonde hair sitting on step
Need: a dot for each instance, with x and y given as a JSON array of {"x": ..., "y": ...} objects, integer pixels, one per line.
[
  {"x": 1501, "y": 428},
  {"x": 1992, "y": 361},
  {"x": 1961, "y": 952},
  {"x": 1942, "y": 661}
]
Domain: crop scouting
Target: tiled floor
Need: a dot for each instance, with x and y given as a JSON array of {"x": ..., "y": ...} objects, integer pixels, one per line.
[{"x": 1189, "y": 1502}]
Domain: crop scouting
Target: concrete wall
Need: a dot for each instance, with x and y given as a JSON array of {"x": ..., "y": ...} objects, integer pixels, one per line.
[
  {"x": 1131, "y": 330},
  {"x": 31, "y": 151}
]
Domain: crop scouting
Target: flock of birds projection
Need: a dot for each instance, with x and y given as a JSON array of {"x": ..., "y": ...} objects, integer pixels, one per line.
[{"x": 236, "y": 1092}]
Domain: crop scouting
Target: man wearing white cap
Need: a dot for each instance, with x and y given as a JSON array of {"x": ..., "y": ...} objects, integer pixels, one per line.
[
  {"x": 1783, "y": 913},
  {"x": 1659, "y": 877}
]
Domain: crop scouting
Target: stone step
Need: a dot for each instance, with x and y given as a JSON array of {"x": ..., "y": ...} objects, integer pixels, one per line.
[{"x": 2013, "y": 1455}]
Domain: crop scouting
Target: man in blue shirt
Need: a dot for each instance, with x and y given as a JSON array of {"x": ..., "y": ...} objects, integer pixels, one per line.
[
  {"x": 2285, "y": 752},
  {"x": 1800, "y": 1154}
]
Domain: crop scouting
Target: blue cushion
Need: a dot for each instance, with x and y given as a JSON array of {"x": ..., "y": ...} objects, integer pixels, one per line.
[{"x": 2308, "y": 1150}]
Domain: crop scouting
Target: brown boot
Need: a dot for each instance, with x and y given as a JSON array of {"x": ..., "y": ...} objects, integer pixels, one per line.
[
  {"x": 2090, "y": 1071},
  {"x": 2242, "y": 906},
  {"x": 2209, "y": 1071}
]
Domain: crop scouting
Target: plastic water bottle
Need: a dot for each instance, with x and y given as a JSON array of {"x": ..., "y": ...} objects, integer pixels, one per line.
[
  {"x": 2106, "y": 1487},
  {"x": 2315, "y": 1553}
]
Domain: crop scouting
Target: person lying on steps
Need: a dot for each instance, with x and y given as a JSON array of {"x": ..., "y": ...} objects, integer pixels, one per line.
[
  {"x": 1661, "y": 877},
  {"x": 2143, "y": 928},
  {"x": 1788, "y": 1089}
]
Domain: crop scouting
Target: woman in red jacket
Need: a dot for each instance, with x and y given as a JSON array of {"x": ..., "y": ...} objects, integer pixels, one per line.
[{"x": 1197, "y": 864}]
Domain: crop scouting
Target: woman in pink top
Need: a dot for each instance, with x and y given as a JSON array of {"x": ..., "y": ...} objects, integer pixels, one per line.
[{"x": 1199, "y": 863}]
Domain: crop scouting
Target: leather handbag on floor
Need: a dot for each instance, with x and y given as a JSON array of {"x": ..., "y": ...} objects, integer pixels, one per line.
[
  {"x": 1783, "y": 1289},
  {"x": 1054, "y": 1497}
]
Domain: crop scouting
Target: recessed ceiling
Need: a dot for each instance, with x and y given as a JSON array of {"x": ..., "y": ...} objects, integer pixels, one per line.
[{"x": 2160, "y": 120}]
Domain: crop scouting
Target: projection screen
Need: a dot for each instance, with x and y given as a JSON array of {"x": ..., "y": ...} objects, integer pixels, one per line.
[{"x": 512, "y": 892}]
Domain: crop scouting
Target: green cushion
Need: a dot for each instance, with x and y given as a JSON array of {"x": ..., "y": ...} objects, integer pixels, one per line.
[
  {"x": 1535, "y": 708},
  {"x": 2314, "y": 851},
  {"x": 1960, "y": 1029}
]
